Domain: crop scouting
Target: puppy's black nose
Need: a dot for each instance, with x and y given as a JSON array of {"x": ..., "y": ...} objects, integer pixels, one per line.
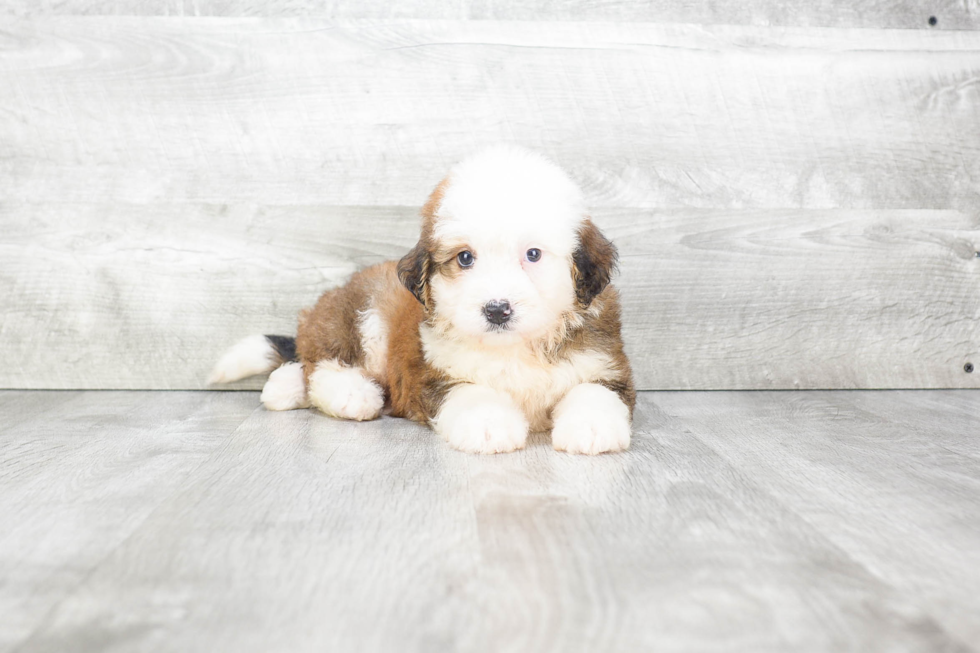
[{"x": 497, "y": 312}]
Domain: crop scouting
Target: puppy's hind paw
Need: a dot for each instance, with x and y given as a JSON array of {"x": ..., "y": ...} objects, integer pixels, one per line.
[
  {"x": 285, "y": 389},
  {"x": 345, "y": 392}
]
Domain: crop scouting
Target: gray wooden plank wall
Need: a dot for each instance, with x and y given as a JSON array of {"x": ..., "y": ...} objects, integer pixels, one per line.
[
  {"x": 948, "y": 14},
  {"x": 797, "y": 206}
]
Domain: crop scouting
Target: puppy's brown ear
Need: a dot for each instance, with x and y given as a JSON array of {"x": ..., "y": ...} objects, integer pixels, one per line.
[
  {"x": 413, "y": 272},
  {"x": 413, "y": 268},
  {"x": 593, "y": 263}
]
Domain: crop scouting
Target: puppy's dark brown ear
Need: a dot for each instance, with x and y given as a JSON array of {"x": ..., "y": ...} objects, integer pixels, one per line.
[
  {"x": 413, "y": 268},
  {"x": 413, "y": 272},
  {"x": 593, "y": 263}
]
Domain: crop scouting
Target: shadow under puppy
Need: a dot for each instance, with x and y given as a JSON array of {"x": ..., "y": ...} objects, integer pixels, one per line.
[{"x": 500, "y": 321}]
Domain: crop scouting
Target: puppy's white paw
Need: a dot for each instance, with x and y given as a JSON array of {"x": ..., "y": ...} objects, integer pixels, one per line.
[
  {"x": 345, "y": 392},
  {"x": 591, "y": 419},
  {"x": 478, "y": 419},
  {"x": 285, "y": 389}
]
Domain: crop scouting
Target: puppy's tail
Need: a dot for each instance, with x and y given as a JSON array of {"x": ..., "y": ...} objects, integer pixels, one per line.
[{"x": 253, "y": 355}]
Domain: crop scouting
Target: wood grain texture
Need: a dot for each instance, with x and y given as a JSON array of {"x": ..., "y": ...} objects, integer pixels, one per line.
[
  {"x": 800, "y": 300},
  {"x": 736, "y": 522},
  {"x": 833, "y": 459},
  {"x": 149, "y": 296},
  {"x": 797, "y": 208},
  {"x": 950, "y": 14},
  {"x": 310, "y": 111},
  {"x": 146, "y": 296},
  {"x": 79, "y": 473}
]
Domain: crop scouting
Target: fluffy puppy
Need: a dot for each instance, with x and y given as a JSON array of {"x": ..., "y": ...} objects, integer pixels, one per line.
[{"x": 500, "y": 321}]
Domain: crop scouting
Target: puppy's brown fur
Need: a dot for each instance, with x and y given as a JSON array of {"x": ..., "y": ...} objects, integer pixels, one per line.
[
  {"x": 400, "y": 293},
  {"x": 520, "y": 334}
]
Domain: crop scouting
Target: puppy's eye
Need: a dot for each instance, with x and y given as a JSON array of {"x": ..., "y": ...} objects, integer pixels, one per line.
[
  {"x": 465, "y": 259},
  {"x": 533, "y": 255}
]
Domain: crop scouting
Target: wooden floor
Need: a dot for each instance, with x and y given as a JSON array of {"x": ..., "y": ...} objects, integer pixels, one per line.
[{"x": 738, "y": 521}]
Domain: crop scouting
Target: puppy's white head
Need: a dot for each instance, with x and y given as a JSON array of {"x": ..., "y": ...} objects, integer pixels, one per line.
[{"x": 507, "y": 251}]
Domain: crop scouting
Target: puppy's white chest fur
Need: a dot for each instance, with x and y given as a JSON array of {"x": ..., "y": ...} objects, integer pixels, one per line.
[{"x": 535, "y": 384}]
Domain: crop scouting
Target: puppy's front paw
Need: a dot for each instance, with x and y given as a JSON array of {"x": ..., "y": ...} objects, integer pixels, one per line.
[
  {"x": 591, "y": 419},
  {"x": 488, "y": 429},
  {"x": 478, "y": 419}
]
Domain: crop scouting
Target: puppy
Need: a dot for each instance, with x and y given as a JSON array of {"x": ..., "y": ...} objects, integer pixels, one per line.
[{"x": 500, "y": 321}]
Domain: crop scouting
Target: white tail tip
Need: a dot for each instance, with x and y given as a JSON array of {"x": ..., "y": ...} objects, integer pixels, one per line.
[{"x": 248, "y": 357}]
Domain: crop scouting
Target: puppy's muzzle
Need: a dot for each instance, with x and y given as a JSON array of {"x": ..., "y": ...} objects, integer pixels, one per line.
[{"x": 497, "y": 312}]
